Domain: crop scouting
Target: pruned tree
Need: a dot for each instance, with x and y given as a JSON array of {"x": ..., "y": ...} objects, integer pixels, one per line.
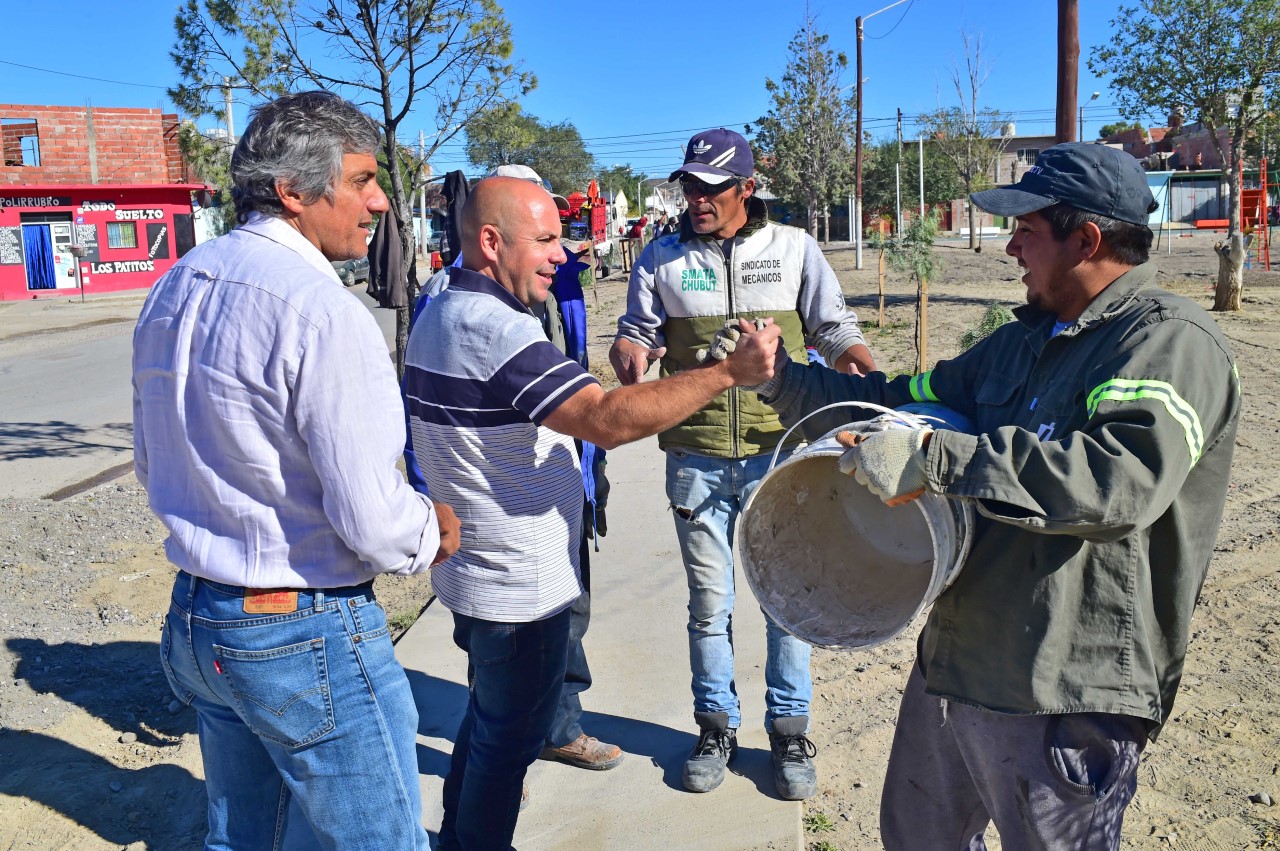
[
  {"x": 804, "y": 145},
  {"x": 1219, "y": 60},
  {"x": 968, "y": 135},
  {"x": 436, "y": 61},
  {"x": 506, "y": 135}
]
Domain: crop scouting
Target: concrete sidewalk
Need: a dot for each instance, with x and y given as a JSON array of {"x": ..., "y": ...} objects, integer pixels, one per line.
[{"x": 638, "y": 650}]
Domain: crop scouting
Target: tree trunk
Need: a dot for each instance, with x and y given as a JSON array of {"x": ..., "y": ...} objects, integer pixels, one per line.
[
  {"x": 1227, "y": 294},
  {"x": 922, "y": 325},
  {"x": 1231, "y": 254},
  {"x": 973, "y": 236}
]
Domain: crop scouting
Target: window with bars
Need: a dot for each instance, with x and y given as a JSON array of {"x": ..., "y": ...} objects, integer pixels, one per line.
[
  {"x": 1027, "y": 156},
  {"x": 122, "y": 235}
]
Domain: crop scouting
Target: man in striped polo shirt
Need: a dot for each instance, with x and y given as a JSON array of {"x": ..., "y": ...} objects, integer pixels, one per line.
[{"x": 494, "y": 407}]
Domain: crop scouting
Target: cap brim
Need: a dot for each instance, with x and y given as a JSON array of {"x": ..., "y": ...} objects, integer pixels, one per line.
[
  {"x": 706, "y": 173},
  {"x": 1008, "y": 201},
  {"x": 562, "y": 203}
]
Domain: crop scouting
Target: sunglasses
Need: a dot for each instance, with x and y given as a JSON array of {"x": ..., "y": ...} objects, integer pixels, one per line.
[{"x": 693, "y": 186}]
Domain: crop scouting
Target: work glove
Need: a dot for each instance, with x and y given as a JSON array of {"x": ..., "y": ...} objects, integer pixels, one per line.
[
  {"x": 890, "y": 463},
  {"x": 722, "y": 344}
]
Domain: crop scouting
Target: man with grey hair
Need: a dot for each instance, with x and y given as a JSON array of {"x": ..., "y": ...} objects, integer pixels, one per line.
[{"x": 266, "y": 431}]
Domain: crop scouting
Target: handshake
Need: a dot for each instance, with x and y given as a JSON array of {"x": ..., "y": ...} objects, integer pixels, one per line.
[{"x": 750, "y": 350}]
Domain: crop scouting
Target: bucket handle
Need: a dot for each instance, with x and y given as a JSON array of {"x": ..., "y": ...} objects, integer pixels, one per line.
[{"x": 905, "y": 417}]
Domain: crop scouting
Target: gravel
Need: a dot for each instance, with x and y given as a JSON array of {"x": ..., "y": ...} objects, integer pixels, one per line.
[{"x": 53, "y": 646}]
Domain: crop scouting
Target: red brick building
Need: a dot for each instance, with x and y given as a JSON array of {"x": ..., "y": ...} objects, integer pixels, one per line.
[{"x": 107, "y": 185}]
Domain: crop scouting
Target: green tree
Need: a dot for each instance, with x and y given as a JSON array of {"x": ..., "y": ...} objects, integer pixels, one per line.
[
  {"x": 506, "y": 135},
  {"x": 443, "y": 61},
  {"x": 971, "y": 137},
  {"x": 912, "y": 252},
  {"x": 804, "y": 145},
  {"x": 210, "y": 160},
  {"x": 1219, "y": 60},
  {"x": 1109, "y": 130},
  {"x": 622, "y": 178},
  {"x": 879, "y": 186}
]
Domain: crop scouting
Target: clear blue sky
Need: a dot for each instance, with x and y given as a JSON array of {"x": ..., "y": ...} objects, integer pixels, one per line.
[{"x": 637, "y": 79}]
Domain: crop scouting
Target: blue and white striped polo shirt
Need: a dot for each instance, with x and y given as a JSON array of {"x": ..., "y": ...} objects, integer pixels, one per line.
[{"x": 480, "y": 378}]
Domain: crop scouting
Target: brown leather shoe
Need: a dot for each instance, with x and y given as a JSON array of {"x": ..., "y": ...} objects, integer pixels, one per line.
[{"x": 586, "y": 752}]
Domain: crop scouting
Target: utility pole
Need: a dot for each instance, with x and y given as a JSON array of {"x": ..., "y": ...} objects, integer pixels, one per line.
[
  {"x": 1068, "y": 68},
  {"x": 855, "y": 214},
  {"x": 231, "y": 125},
  {"x": 856, "y": 222},
  {"x": 897, "y": 179},
  {"x": 921, "y": 177}
]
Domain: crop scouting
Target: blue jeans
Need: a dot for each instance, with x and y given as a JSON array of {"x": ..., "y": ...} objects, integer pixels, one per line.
[
  {"x": 306, "y": 721},
  {"x": 706, "y": 496},
  {"x": 515, "y": 673}
]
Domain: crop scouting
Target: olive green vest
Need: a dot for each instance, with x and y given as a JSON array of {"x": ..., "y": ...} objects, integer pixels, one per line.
[{"x": 699, "y": 292}]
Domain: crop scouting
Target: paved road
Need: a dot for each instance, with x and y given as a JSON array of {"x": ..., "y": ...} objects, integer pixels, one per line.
[{"x": 66, "y": 405}]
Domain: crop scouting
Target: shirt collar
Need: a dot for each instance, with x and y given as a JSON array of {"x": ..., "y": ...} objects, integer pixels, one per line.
[
  {"x": 276, "y": 230},
  {"x": 465, "y": 279}
]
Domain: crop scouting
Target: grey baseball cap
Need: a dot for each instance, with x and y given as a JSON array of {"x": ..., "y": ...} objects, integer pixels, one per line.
[{"x": 1093, "y": 178}]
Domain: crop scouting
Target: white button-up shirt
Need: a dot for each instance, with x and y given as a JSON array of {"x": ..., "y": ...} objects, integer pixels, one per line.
[{"x": 268, "y": 421}]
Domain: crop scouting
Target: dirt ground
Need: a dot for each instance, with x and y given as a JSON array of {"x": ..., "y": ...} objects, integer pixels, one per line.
[{"x": 92, "y": 758}]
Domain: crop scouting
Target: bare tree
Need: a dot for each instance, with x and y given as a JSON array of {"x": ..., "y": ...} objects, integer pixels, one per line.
[
  {"x": 969, "y": 136},
  {"x": 403, "y": 59}
]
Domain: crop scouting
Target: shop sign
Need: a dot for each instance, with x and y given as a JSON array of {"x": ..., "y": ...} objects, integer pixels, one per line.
[
  {"x": 118, "y": 267},
  {"x": 30, "y": 201},
  {"x": 138, "y": 215}
]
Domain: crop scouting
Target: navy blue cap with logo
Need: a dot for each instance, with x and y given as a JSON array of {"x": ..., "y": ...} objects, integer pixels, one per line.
[
  {"x": 1093, "y": 178},
  {"x": 714, "y": 156}
]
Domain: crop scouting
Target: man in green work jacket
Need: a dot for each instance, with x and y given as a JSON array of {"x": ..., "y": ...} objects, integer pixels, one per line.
[{"x": 1105, "y": 423}]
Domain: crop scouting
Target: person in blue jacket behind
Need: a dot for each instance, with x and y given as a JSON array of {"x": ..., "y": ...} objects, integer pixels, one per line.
[{"x": 565, "y": 320}]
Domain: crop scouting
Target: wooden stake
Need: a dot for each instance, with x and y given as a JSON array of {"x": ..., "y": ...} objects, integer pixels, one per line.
[{"x": 881, "y": 323}]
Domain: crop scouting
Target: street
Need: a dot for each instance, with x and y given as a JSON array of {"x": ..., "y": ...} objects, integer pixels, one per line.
[{"x": 66, "y": 410}]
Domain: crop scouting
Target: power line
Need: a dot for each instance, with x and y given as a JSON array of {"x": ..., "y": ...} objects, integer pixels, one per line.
[
  {"x": 894, "y": 27},
  {"x": 82, "y": 76}
]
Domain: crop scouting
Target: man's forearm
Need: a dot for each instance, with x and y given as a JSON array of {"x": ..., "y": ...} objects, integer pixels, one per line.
[
  {"x": 632, "y": 412},
  {"x": 858, "y": 356}
]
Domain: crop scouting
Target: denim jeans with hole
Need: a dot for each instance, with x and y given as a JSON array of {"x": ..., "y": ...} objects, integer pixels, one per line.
[
  {"x": 706, "y": 497},
  {"x": 515, "y": 673},
  {"x": 307, "y": 725}
]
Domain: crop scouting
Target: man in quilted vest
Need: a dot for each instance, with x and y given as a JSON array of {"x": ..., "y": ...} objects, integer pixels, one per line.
[{"x": 729, "y": 261}]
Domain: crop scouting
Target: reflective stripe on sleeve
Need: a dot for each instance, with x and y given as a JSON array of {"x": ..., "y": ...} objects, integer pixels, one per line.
[
  {"x": 1126, "y": 390},
  {"x": 921, "y": 390}
]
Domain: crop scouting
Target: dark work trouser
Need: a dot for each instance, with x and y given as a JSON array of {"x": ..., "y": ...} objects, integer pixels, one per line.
[
  {"x": 1047, "y": 781},
  {"x": 567, "y": 726}
]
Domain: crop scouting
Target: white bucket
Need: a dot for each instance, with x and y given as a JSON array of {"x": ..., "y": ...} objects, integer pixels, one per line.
[{"x": 832, "y": 564}]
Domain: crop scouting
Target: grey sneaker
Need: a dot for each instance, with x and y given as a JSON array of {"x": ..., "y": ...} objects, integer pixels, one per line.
[
  {"x": 716, "y": 748},
  {"x": 794, "y": 775}
]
